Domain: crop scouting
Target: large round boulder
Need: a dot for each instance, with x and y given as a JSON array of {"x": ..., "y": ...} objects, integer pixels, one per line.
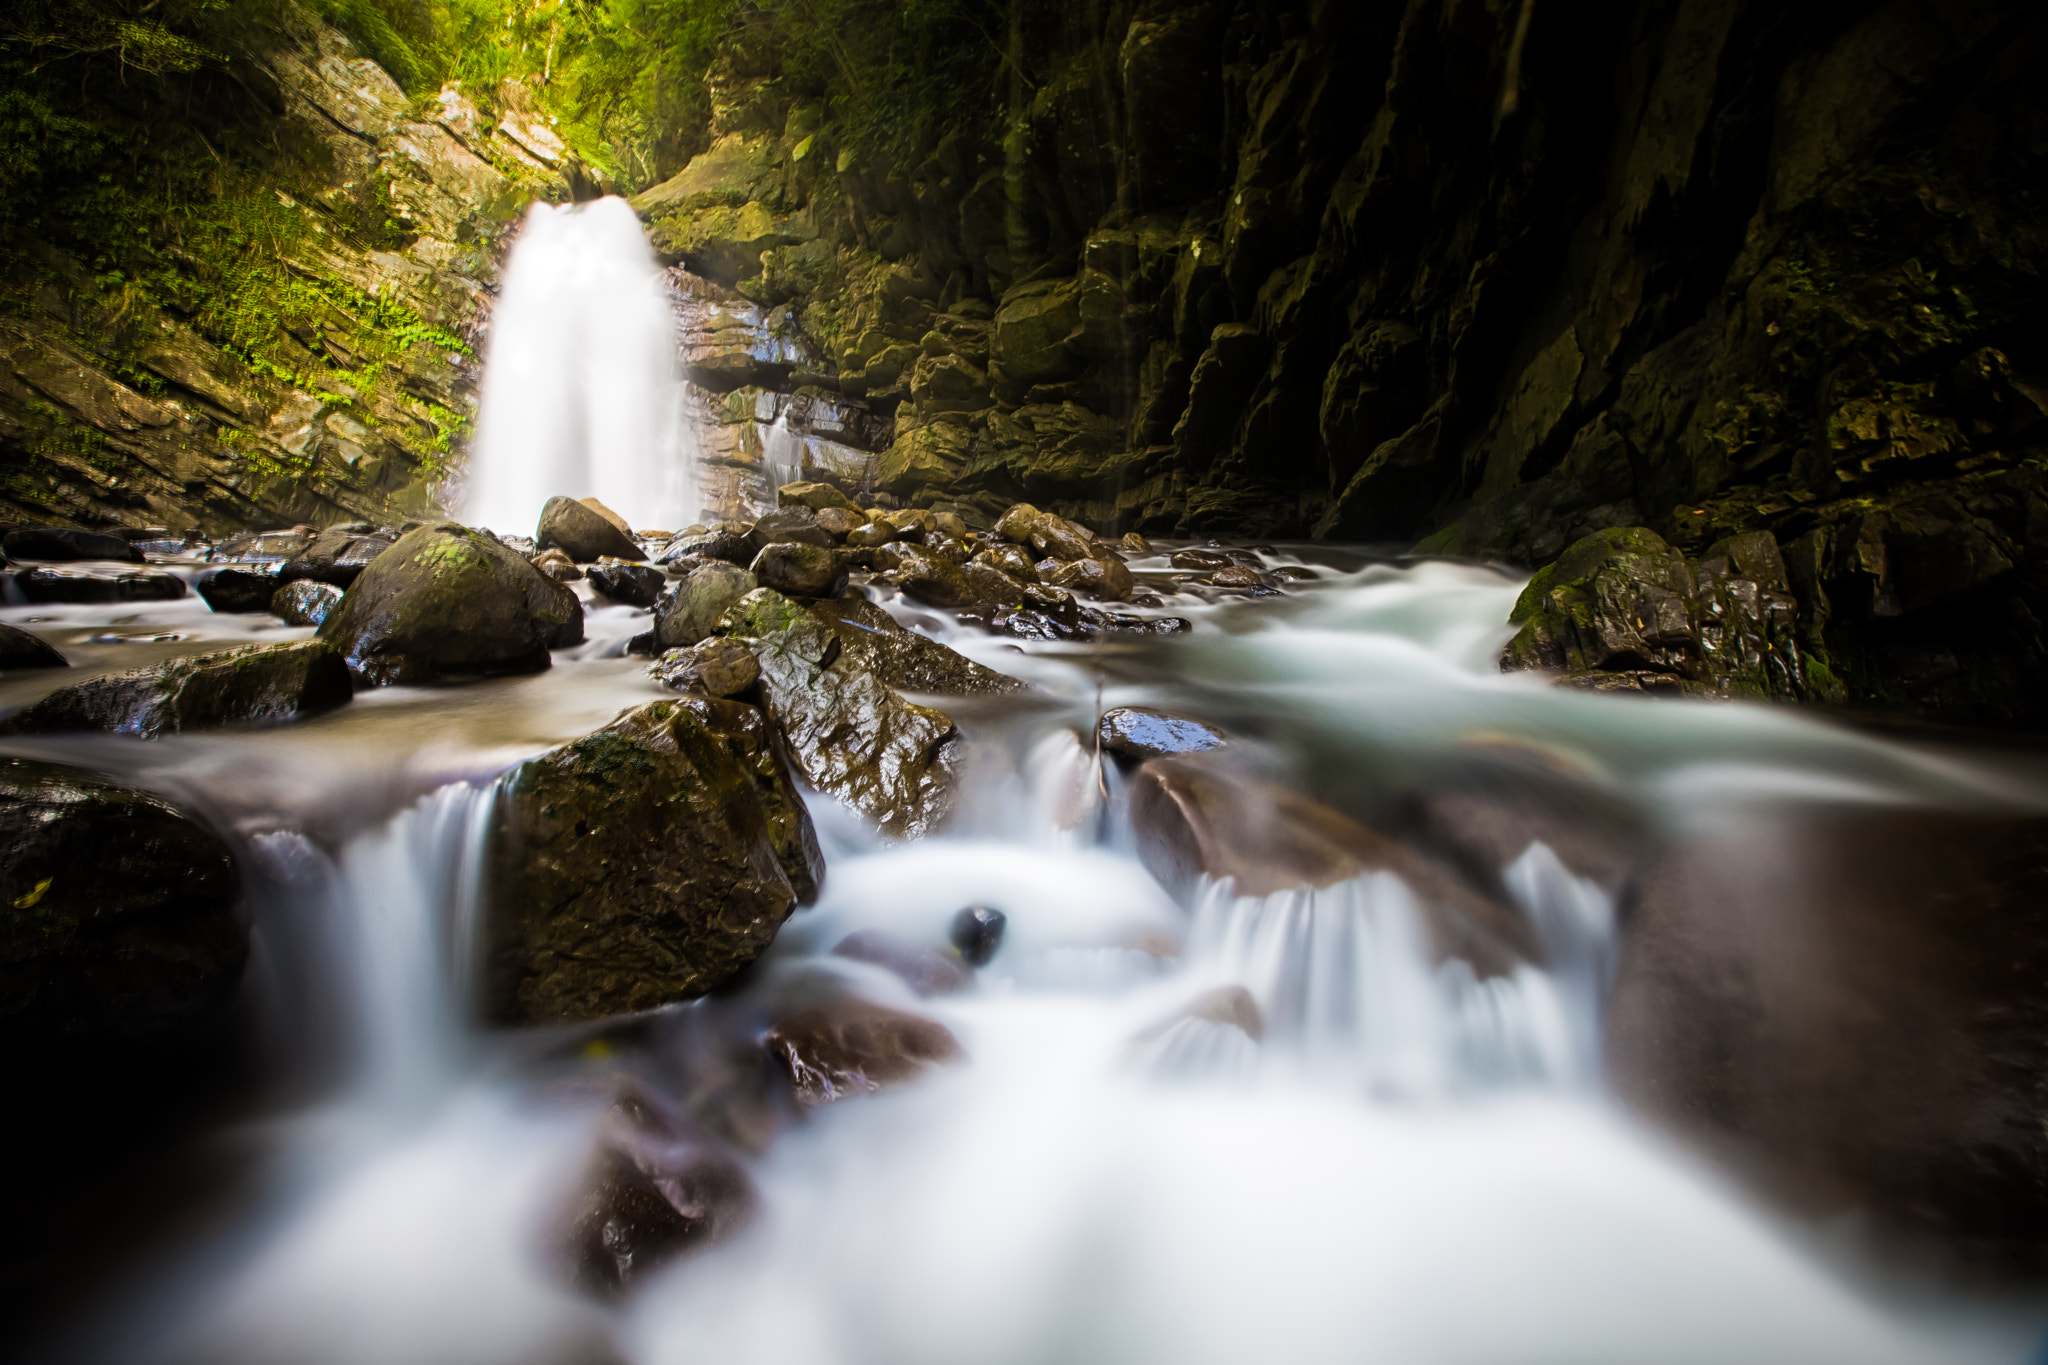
[
  {"x": 586, "y": 536},
  {"x": 23, "y": 649},
  {"x": 638, "y": 866},
  {"x": 448, "y": 603},
  {"x": 117, "y": 913},
  {"x": 690, "y": 610}
]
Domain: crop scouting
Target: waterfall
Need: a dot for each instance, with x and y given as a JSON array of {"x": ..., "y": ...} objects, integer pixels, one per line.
[{"x": 582, "y": 392}]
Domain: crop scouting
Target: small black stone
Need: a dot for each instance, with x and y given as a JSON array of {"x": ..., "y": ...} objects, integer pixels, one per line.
[{"x": 977, "y": 932}]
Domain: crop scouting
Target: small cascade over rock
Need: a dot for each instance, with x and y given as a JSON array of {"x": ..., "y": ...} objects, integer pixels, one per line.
[{"x": 583, "y": 392}]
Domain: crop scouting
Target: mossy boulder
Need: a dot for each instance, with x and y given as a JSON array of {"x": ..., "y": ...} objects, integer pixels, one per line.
[
  {"x": 689, "y": 611},
  {"x": 582, "y": 533},
  {"x": 801, "y": 570},
  {"x": 118, "y": 919},
  {"x": 253, "y": 685},
  {"x": 1623, "y": 610},
  {"x": 848, "y": 733},
  {"x": 815, "y": 496},
  {"x": 448, "y": 603},
  {"x": 637, "y": 866}
]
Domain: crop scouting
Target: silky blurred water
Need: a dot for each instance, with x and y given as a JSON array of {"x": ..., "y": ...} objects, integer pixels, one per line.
[{"x": 1410, "y": 1163}]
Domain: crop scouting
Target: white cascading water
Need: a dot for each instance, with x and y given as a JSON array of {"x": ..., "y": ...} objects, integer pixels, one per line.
[
  {"x": 1405, "y": 1164},
  {"x": 582, "y": 393}
]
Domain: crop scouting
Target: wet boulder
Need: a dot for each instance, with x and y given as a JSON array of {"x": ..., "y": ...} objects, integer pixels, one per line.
[
  {"x": 653, "y": 1189},
  {"x": 749, "y": 738},
  {"x": 238, "y": 590},
  {"x": 1008, "y": 560},
  {"x": 21, "y": 649},
  {"x": 608, "y": 514},
  {"x": 840, "y": 522},
  {"x": 631, "y": 868},
  {"x": 790, "y": 525},
  {"x": 1140, "y": 732},
  {"x": 252, "y": 685},
  {"x": 689, "y": 611},
  {"x": 849, "y": 734},
  {"x": 68, "y": 543},
  {"x": 1015, "y": 524},
  {"x": 1202, "y": 815},
  {"x": 800, "y": 569},
  {"x": 556, "y": 565},
  {"x": 731, "y": 541},
  {"x": 872, "y": 640},
  {"x": 636, "y": 585},
  {"x": 871, "y": 536},
  {"x": 306, "y": 602},
  {"x": 923, "y": 968},
  {"x": 1106, "y": 578},
  {"x": 1055, "y": 537},
  {"x": 262, "y": 547},
  {"x": 580, "y": 533},
  {"x": 84, "y": 586},
  {"x": 853, "y": 1047},
  {"x": 1623, "y": 610},
  {"x": 926, "y": 577},
  {"x": 816, "y": 496},
  {"x": 121, "y": 924},
  {"x": 717, "y": 667},
  {"x": 337, "y": 556},
  {"x": 1135, "y": 544},
  {"x": 448, "y": 603}
]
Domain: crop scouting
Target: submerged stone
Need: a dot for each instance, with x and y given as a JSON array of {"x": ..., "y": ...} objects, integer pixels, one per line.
[
  {"x": 255, "y": 684},
  {"x": 854, "y": 1047}
]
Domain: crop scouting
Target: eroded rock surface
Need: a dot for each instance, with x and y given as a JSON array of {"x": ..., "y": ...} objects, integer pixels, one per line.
[{"x": 252, "y": 685}]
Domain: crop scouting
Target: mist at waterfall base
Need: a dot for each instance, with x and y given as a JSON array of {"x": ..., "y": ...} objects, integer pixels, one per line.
[
  {"x": 582, "y": 395},
  {"x": 1413, "y": 1165}
]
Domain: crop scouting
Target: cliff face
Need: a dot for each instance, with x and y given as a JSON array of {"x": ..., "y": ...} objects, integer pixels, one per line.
[
  {"x": 304, "y": 351},
  {"x": 1491, "y": 276}
]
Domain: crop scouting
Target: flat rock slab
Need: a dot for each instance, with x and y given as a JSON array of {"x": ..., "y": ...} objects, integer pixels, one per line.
[
  {"x": 1140, "y": 732},
  {"x": 252, "y": 685}
]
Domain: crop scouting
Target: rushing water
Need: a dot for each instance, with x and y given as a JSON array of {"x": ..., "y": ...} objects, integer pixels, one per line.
[
  {"x": 1408, "y": 1164},
  {"x": 582, "y": 389}
]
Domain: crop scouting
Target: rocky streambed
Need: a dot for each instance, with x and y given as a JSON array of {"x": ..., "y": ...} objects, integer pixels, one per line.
[{"x": 825, "y": 935}]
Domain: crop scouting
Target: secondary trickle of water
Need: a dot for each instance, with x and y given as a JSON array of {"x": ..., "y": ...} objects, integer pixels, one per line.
[{"x": 582, "y": 392}]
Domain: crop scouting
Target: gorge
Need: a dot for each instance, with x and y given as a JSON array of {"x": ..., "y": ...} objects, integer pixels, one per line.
[{"x": 1023, "y": 680}]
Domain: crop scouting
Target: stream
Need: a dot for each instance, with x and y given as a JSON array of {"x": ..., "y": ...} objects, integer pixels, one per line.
[
  {"x": 1411, "y": 1164},
  {"x": 1194, "y": 1126}
]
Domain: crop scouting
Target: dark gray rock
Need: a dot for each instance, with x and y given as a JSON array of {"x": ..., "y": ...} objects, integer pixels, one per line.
[
  {"x": 87, "y": 587},
  {"x": 977, "y": 934},
  {"x": 585, "y": 536},
  {"x": 261, "y": 547},
  {"x": 448, "y": 603},
  {"x": 636, "y": 585},
  {"x": 118, "y": 919},
  {"x": 255, "y": 684},
  {"x": 306, "y": 602},
  {"x": 20, "y": 649},
  {"x": 238, "y": 590},
  {"x": 1140, "y": 732},
  {"x": 68, "y": 543},
  {"x": 337, "y": 556}
]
